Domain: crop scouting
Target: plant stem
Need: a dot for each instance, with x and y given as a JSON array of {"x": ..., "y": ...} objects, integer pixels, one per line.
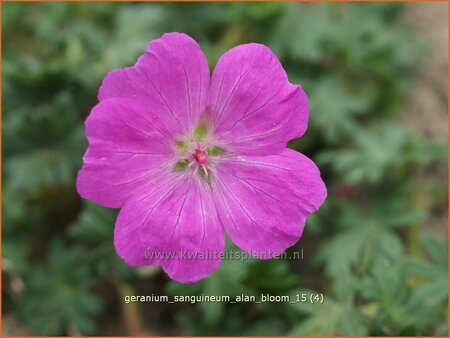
[
  {"x": 414, "y": 240},
  {"x": 130, "y": 311}
]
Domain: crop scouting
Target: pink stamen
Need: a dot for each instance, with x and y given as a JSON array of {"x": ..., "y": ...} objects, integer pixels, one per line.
[{"x": 200, "y": 156}]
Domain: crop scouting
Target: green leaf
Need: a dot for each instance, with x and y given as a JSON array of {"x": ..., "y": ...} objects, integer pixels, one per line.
[
  {"x": 57, "y": 296},
  {"x": 383, "y": 150},
  {"x": 56, "y": 149},
  {"x": 329, "y": 318},
  {"x": 95, "y": 228},
  {"x": 435, "y": 248},
  {"x": 335, "y": 107},
  {"x": 95, "y": 224}
]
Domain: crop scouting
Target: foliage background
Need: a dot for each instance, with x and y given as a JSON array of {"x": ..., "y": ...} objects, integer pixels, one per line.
[{"x": 369, "y": 249}]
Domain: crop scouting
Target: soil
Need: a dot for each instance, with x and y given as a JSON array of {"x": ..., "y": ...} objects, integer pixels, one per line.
[{"x": 427, "y": 106}]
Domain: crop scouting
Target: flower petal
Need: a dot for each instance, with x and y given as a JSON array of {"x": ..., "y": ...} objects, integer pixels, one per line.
[
  {"x": 251, "y": 105},
  {"x": 127, "y": 146},
  {"x": 263, "y": 201},
  {"x": 172, "y": 74},
  {"x": 175, "y": 225}
]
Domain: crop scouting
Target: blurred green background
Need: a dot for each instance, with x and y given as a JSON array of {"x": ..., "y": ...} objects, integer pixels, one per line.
[{"x": 377, "y": 249}]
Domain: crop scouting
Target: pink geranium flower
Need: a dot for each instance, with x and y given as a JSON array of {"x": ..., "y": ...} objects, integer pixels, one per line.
[{"x": 188, "y": 157}]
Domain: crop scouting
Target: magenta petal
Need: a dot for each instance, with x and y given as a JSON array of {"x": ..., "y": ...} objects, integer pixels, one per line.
[
  {"x": 252, "y": 105},
  {"x": 174, "y": 224},
  {"x": 263, "y": 201},
  {"x": 127, "y": 146},
  {"x": 173, "y": 74},
  {"x": 129, "y": 221}
]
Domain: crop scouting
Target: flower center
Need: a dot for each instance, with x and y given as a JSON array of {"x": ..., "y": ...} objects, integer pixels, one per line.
[
  {"x": 197, "y": 157},
  {"x": 200, "y": 156},
  {"x": 197, "y": 152}
]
